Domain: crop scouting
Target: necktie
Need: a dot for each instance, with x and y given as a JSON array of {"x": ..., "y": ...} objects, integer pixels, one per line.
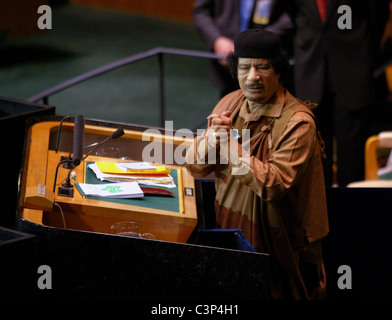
[{"x": 322, "y": 7}]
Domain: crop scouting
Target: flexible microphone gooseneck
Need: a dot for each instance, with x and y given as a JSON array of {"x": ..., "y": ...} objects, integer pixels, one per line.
[
  {"x": 59, "y": 132},
  {"x": 116, "y": 134}
]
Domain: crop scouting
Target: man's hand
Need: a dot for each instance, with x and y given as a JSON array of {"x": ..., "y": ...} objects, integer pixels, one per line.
[
  {"x": 219, "y": 126},
  {"x": 220, "y": 134},
  {"x": 220, "y": 121},
  {"x": 222, "y": 47}
]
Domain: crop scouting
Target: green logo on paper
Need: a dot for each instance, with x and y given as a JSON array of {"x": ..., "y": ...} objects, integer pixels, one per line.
[{"x": 112, "y": 189}]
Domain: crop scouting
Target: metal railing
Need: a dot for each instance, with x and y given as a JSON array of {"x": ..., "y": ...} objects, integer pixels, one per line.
[{"x": 159, "y": 52}]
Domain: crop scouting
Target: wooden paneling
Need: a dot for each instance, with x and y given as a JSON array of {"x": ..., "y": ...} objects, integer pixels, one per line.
[
  {"x": 180, "y": 10},
  {"x": 20, "y": 16}
]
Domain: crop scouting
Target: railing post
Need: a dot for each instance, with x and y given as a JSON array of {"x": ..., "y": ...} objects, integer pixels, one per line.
[{"x": 161, "y": 91}]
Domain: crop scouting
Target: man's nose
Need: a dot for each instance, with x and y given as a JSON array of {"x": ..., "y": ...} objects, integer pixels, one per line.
[{"x": 253, "y": 74}]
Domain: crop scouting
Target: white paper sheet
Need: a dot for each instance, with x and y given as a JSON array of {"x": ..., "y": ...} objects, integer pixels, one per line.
[{"x": 113, "y": 190}]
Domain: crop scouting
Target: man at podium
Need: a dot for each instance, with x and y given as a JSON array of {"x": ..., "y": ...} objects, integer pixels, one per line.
[{"x": 263, "y": 147}]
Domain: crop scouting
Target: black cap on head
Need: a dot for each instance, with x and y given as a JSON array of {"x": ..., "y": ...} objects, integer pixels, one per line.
[{"x": 257, "y": 43}]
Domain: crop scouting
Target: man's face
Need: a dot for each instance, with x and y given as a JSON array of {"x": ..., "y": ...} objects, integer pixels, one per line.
[{"x": 257, "y": 79}]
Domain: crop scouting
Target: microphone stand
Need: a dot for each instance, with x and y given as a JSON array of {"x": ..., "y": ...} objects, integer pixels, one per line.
[
  {"x": 66, "y": 189},
  {"x": 69, "y": 163}
]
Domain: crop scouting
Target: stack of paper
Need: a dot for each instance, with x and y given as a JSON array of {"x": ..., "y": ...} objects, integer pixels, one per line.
[
  {"x": 140, "y": 172},
  {"x": 112, "y": 190}
]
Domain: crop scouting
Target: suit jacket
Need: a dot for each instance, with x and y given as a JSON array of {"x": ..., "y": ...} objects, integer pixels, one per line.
[
  {"x": 347, "y": 56},
  {"x": 215, "y": 18}
]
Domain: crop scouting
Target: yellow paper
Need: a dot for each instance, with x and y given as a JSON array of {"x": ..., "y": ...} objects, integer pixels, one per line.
[{"x": 111, "y": 167}]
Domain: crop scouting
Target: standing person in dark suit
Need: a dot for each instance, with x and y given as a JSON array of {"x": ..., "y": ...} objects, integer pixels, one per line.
[
  {"x": 219, "y": 21},
  {"x": 336, "y": 44}
]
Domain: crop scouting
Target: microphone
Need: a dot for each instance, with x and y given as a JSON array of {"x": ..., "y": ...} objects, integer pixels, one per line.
[
  {"x": 68, "y": 162},
  {"x": 67, "y": 189},
  {"x": 78, "y": 139},
  {"x": 116, "y": 134}
]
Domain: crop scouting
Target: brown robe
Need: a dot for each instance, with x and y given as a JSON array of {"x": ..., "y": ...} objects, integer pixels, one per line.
[{"x": 279, "y": 203}]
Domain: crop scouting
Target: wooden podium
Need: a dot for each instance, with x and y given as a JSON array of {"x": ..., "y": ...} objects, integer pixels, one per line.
[
  {"x": 89, "y": 261},
  {"x": 87, "y": 214}
]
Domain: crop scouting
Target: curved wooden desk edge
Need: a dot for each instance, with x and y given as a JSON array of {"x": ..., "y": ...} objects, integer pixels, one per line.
[{"x": 371, "y": 164}]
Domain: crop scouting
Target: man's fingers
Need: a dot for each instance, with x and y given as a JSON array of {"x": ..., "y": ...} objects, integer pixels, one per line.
[{"x": 211, "y": 117}]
